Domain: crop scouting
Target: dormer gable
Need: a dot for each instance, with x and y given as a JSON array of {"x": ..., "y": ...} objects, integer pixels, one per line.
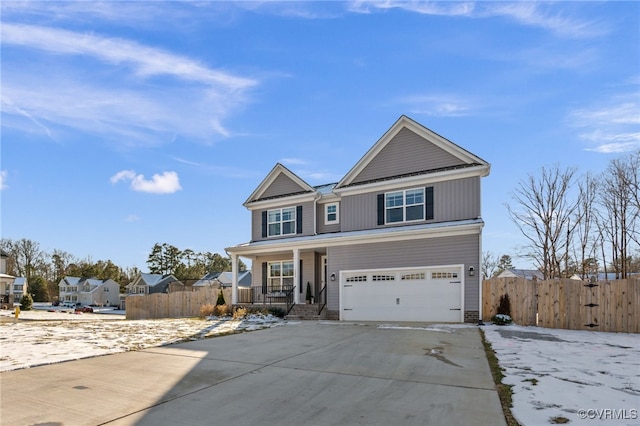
[
  {"x": 409, "y": 149},
  {"x": 280, "y": 183}
]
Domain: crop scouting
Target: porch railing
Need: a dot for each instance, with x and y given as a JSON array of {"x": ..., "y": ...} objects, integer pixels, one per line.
[
  {"x": 322, "y": 299},
  {"x": 267, "y": 295}
]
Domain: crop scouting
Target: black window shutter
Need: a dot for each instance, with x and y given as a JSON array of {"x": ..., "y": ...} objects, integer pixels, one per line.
[
  {"x": 380, "y": 209},
  {"x": 428, "y": 201},
  {"x": 300, "y": 276},
  {"x": 299, "y": 220},
  {"x": 264, "y": 277},
  {"x": 264, "y": 224}
]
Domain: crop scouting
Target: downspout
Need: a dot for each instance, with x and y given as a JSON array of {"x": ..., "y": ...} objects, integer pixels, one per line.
[{"x": 315, "y": 213}]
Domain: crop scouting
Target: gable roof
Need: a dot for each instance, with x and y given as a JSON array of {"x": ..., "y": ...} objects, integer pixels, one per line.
[
  {"x": 70, "y": 281},
  {"x": 207, "y": 280},
  {"x": 244, "y": 279},
  {"x": 296, "y": 185},
  {"x": 521, "y": 273},
  {"x": 463, "y": 157}
]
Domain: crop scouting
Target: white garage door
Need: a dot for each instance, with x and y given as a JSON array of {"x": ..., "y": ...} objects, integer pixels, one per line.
[{"x": 418, "y": 294}]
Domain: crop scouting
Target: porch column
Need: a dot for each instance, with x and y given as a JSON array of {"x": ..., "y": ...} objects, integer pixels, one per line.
[
  {"x": 234, "y": 279},
  {"x": 296, "y": 275}
]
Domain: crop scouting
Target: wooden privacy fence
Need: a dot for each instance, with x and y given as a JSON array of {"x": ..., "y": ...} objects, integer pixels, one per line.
[
  {"x": 569, "y": 304},
  {"x": 179, "y": 304}
]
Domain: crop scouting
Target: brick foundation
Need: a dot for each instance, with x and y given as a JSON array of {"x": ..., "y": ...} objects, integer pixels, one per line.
[
  {"x": 333, "y": 315},
  {"x": 471, "y": 316}
]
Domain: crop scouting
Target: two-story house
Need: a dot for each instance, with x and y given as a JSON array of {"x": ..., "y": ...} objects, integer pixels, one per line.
[
  {"x": 398, "y": 238},
  {"x": 88, "y": 291},
  {"x": 12, "y": 288},
  {"x": 154, "y": 283}
]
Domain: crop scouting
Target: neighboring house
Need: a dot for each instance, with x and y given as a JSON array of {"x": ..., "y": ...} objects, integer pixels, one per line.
[
  {"x": 88, "y": 291},
  {"x": 521, "y": 273},
  {"x": 154, "y": 283},
  {"x": 529, "y": 274},
  {"x": 224, "y": 280},
  {"x": 12, "y": 288},
  {"x": 209, "y": 280},
  {"x": 397, "y": 239}
]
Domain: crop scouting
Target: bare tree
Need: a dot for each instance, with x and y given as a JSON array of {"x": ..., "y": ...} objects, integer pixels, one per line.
[
  {"x": 489, "y": 264},
  {"x": 542, "y": 212},
  {"x": 26, "y": 257},
  {"x": 586, "y": 239},
  {"x": 620, "y": 211}
]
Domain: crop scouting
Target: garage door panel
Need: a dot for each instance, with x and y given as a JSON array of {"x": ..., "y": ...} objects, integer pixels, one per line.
[{"x": 408, "y": 296}]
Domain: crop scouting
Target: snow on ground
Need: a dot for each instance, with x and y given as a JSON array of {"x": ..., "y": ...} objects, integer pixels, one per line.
[
  {"x": 586, "y": 377},
  {"x": 41, "y": 337}
]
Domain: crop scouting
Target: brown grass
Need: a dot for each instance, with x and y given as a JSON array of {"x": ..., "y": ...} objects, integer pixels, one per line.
[{"x": 504, "y": 391}]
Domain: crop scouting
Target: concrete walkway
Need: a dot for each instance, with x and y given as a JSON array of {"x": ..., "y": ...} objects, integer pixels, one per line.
[{"x": 306, "y": 373}]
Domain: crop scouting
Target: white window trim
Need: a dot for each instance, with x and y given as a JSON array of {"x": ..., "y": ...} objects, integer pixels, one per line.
[
  {"x": 295, "y": 221},
  {"x": 404, "y": 205},
  {"x": 326, "y": 214},
  {"x": 281, "y": 278}
]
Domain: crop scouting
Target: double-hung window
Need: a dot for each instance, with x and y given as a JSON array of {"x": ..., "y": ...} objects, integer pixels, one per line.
[
  {"x": 281, "y": 221},
  {"x": 405, "y": 206},
  {"x": 331, "y": 214},
  {"x": 280, "y": 275}
]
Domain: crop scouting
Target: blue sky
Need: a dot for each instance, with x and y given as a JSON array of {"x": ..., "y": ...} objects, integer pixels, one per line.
[{"x": 125, "y": 124}]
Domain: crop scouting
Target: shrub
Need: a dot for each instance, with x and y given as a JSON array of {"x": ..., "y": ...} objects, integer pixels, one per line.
[
  {"x": 308, "y": 292},
  {"x": 501, "y": 319},
  {"x": 220, "y": 300},
  {"x": 222, "y": 310},
  {"x": 26, "y": 302},
  {"x": 240, "y": 313},
  {"x": 206, "y": 310},
  {"x": 276, "y": 311},
  {"x": 504, "y": 306}
]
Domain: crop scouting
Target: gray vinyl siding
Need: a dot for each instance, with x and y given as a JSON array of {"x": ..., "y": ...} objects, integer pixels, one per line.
[
  {"x": 282, "y": 185},
  {"x": 463, "y": 249},
  {"x": 456, "y": 199},
  {"x": 453, "y": 200},
  {"x": 307, "y": 222},
  {"x": 325, "y": 229},
  {"x": 406, "y": 153},
  {"x": 359, "y": 212}
]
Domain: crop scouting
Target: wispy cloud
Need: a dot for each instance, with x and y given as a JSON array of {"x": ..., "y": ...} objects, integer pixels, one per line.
[
  {"x": 3, "y": 180},
  {"x": 164, "y": 183},
  {"x": 132, "y": 218},
  {"x": 125, "y": 100},
  {"x": 530, "y": 14},
  {"x": 422, "y": 7},
  {"x": 610, "y": 128},
  {"x": 533, "y": 14},
  {"x": 144, "y": 60},
  {"x": 293, "y": 161},
  {"x": 438, "y": 105}
]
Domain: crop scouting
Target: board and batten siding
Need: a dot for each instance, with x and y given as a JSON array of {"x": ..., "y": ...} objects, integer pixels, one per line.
[
  {"x": 455, "y": 250},
  {"x": 457, "y": 199},
  {"x": 406, "y": 153},
  {"x": 307, "y": 222},
  {"x": 282, "y": 185}
]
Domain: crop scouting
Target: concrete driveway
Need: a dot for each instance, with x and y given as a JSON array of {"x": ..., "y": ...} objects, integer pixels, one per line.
[{"x": 305, "y": 373}]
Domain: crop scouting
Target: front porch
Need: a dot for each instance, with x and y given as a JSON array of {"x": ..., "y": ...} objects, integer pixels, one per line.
[
  {"x": 284, "y": 297},
  {"x": 289, "y": 277}
]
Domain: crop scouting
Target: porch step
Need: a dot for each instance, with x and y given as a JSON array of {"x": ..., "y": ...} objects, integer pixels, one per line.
[{"x": 306, "y": 312}]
